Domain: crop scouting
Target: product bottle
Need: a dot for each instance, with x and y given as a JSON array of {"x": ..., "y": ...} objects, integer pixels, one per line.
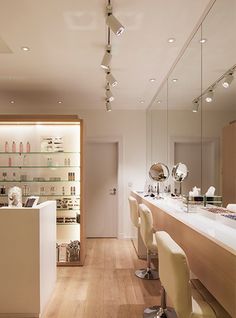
[
  {"x": 63, "y": 190},
  {"x": 14, "y": 176},
  {"x": 68, "y": 161},
  {"x": 65, "y": 162},
  {"x": 9, "y": 162},
  {"x": 49, "y": 161},
  {"x": 13, "y": 146},
  {"x": 6, "y": 147},
  {"x": 21, "y": 147},
  {"x": 28, "y": 147},
  {"x": 24, "y": 160}
]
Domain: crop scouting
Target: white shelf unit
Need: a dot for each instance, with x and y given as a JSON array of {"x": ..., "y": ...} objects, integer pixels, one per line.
[{"x": 51, "y": 175}]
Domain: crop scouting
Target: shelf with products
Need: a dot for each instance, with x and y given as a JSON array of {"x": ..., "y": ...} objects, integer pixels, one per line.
[
  {"x": 40, "y": 153},
  {"x": 42, "y": 181},
  {"x": 32, "y": 167},
  {"x": 43, "y": 155},
  {"x": 44, "y": 195}
]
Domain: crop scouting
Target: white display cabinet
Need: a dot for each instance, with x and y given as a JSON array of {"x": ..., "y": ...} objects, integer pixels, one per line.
[{"x": 43, "y": 156}]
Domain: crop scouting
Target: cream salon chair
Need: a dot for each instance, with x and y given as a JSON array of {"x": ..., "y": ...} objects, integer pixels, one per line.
[
  {"x": 134, "y": 216},
  {"x": 148, "y": 236},
  {"x": 189, "y": 298}
]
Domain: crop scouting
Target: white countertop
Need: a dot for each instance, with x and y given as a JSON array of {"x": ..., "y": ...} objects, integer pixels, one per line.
[{"x": 217, "y": 228}]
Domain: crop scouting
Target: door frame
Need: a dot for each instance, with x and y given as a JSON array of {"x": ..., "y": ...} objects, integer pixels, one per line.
[{"x": 120, "y": 189}]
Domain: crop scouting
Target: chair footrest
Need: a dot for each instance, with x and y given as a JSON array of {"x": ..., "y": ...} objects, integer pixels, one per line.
[{"x": 210, "y": 299}]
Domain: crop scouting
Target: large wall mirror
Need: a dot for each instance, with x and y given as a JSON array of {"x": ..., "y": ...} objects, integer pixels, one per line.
[{"x": 189, "y": 118}]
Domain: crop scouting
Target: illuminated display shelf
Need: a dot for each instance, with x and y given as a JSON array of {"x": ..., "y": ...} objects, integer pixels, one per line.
[{"x": 30, "y": 169}]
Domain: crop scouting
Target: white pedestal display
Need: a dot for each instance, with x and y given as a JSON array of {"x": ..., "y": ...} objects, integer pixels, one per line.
[{"x": 28, "y": 259}]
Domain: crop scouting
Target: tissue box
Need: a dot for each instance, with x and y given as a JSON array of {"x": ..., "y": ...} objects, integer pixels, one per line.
[
  {"x": 213, "y": 200},
  {"x": 192, "y": 203}
]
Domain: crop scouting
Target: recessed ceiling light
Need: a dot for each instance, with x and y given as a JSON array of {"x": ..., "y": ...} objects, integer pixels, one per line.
[
  {"x": 174, "y": 80},
  {"x": 152, "y": 80},
  {"x": 12, "y": 101},
  {"x": 25, "y": 48},
  {"x": 158, "y": 101},
  {"x": 141, "y": 101},
  {"x": 59, "y": 102},
  {"x": 203, "y": 41},
  {"x": 171, "y": 40}
]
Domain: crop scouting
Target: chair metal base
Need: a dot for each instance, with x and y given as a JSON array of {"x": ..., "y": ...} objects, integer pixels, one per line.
[
  {"x": 159, "y": 312},
  {"x": 147, "y": 273}
]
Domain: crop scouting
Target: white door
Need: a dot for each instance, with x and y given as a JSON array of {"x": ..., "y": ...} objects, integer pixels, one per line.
[{"x": 101, "y": 189}]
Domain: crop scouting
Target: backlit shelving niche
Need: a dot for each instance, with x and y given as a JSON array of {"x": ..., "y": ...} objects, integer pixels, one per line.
[{"x": 43, "y": 156}]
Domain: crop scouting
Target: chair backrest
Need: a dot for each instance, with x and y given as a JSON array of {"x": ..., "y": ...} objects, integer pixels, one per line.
[
  {"x": 174, "y": 274},
  {"x": 134, "y": 214},
  {"x": 146, "y": 225}
]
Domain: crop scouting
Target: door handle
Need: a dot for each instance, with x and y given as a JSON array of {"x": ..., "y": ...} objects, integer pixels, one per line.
[{"x": 113, "y": 191}]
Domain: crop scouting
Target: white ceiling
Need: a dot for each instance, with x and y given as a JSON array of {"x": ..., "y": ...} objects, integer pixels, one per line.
[
  {"x": 201, "y": 65},
  {"x": 67, "y": 40}
]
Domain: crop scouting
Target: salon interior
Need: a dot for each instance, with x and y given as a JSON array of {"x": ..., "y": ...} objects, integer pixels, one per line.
[{"x": 118, "y": 159}]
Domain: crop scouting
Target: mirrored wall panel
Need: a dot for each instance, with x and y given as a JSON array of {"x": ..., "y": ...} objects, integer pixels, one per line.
[
  {"x": 184, "y": 121},
  {"x": 219, "y": 100},
  {"x": 193, "y": 119}
]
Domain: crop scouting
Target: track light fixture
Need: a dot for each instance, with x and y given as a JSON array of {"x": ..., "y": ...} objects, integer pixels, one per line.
[
  {"x": 109, "y": 94},
  {"x": 113, "y": 23},
  {"x": 111, "y": 79},
  {"x": 108, "y": 106},
  {"x": 195, "y": 106},
  {"x": 228, "y": 80},
  {"x": 209, "y": 96},
  {"x": 106, "y": 58}
]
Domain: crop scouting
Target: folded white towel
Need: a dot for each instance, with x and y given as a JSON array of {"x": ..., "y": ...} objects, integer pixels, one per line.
[{"x": 231, "y": 207}]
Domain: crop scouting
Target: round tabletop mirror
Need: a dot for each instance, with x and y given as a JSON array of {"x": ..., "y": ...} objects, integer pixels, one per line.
[
  {"x": 159, "y": 172},
  {"x": 179, "y": 172}
]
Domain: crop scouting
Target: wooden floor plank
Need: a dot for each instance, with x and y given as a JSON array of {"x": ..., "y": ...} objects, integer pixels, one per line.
[{"x": 105, "y": 287}]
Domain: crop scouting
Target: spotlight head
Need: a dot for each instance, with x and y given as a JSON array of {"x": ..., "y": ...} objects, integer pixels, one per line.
[
  {"x": 106, "y": 58},
  {"x": 108, "y": 107},
  {"x": 109, "y": 95},
  {"x": 111, "y": 79},
  {"x": 209, "y": 96},
  {"x": 113, "y": 23},
  {"x": 228, "y": 80},
  {"x": 195, "y": 106}
]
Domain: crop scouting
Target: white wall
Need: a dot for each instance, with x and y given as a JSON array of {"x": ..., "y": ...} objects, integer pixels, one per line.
[{"x": 128, "y": 127}]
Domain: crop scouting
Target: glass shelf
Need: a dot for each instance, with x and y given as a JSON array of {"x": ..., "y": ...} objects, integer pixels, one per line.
[
  {"x": 39, "y": 153},
  {"x": 76, "y": 210},
  {"x": 45, "y": 195},
  {"x": 72, "y": 223},
  {"x": 30, "y": 167},
  {"x": 22, "y": 181}
]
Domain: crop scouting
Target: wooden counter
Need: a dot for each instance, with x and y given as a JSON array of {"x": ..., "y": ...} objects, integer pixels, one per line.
[{"x": 210, "y": 248}]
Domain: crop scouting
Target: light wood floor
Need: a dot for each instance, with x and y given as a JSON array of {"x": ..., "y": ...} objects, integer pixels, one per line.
[{"x": 105, "y": 287}]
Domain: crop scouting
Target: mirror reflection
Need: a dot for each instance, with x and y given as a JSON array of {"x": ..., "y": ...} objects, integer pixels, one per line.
[
  {"x": 179, "y": 172},
  {"x": 199, "y": 125},
  {"x": 159, "y": 172}
]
